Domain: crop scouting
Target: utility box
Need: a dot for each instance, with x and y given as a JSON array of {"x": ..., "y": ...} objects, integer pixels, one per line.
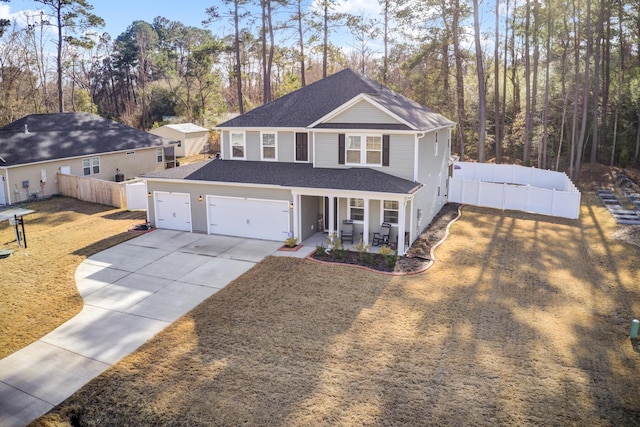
[{"x": 25, "y": 184}]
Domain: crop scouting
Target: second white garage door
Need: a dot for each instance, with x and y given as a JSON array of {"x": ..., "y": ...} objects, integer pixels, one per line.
[{"x": 254, "y": 218}]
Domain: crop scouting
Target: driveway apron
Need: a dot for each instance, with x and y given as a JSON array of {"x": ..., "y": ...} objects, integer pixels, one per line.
[{"x": 131, "y": 292}]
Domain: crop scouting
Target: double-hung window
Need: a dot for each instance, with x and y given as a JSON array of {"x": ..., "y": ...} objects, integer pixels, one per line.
[
  {"x": 86, "y": 167},
  {"x": 95, "y": 165},
  {"x": 374, "y": 150},
  {"x": 390, "y": 210},
  {"x": 91, "y": 166},
  {"x": 237, "y": 145},
  {"x": 364, "y": 150},
  {"x": 159, "y": 155},
  {"x": 269, "y": 145},
  {"x": 356, "y": 209},
  {"x": 353, "y": 148}
]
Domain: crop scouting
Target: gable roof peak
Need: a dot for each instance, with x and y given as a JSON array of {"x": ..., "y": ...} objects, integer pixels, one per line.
[{"x": 303, "y": 107}]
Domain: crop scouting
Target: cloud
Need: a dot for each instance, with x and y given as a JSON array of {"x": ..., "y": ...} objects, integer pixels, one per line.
[
  {"x": 354, "y": 7},
  {"x": 19, "y": 18}
]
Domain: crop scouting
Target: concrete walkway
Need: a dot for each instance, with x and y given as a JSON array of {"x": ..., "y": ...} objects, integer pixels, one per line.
[{"x": 131, "y": 292}]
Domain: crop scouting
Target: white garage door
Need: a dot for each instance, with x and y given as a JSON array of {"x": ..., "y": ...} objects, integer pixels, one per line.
[
  {"x": 254, "y": 218},
  {"x": 173, "y": 211}
]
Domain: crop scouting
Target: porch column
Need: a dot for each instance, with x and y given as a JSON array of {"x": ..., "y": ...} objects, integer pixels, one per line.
[
  {"x": 402, "y": 215},
  {"x": 365, "y": 225},
  {"x": 332, "y": 225},
  {"x": 297, "y": 232}
]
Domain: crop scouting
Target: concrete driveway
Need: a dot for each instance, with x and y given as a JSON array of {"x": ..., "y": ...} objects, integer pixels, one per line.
[{"x": 131, "y": 292}]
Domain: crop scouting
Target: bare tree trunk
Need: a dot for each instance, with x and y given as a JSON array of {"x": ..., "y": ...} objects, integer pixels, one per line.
[
  {"x": 459, "y": 79},
  {"x": 585, "y": 96},
  {"x": 596, "y": 88},
  {"x": 481, "y": 84},
  {"x": 236, "y": 22},
  {"x": 385, "y": 41},
  {"x": 503, "y": 118},
  {"x": 325, "y": 38},
  {"x": 59, "y": 59},
  {"x": 545, "y": 114},
  {"x": 536, "y": 62},
  {"x": 576, "y": 97},
  {"x": 496, "y": 92},
  {"x": 301, "y": 43},
  {"x": 527, "y": 87}
]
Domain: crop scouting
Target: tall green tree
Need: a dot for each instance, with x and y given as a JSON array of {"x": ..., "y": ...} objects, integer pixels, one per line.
[{"x": 72, "y": 17}]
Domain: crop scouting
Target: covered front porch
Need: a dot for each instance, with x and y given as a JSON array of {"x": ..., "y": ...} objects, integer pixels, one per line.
[{"x": 376, "y": 219}]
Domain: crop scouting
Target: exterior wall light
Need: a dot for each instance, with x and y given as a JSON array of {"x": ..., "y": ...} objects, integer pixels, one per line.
[
  {"x": 200, "y": 198},
  {"x": 149, "y": 194}
]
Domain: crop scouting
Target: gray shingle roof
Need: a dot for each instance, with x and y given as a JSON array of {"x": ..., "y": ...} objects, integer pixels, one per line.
[
  {"x": 64, "y": 135},
  {"x": 307, "y": 105},
  {"x": 290, "y": 175}
]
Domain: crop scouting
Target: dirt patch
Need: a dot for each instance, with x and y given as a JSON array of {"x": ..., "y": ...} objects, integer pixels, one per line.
[{"x": 38, "y": 290}]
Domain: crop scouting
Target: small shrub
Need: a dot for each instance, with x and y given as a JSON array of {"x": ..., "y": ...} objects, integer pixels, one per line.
[
  {"x": 340, "y": 253},
  {"x": 321, "y": 250},
  {"x": 362, "y": 248},
  {"x": 291, "y": 242},
  {"x": 390, "y": 256}
]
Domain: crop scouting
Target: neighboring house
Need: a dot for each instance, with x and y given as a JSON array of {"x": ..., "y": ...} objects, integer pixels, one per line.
[
  {"x": 35, "y": 148},
  {"x": 192, "y": 139},
  {"x": 342, "y": 148}
]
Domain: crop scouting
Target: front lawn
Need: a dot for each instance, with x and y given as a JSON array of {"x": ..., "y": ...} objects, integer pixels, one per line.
[
  {"x": 37, "y": 286},
  {"x": 523, "y": 320}
]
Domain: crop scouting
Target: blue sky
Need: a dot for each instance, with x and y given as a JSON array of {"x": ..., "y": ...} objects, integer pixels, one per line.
[{"x": 119, "y": 14}]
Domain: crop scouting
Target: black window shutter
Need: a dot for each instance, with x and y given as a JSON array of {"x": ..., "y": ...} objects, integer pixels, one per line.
[
  {"x": 341, "y": 148},
  {"x": 385, "y": 150}
]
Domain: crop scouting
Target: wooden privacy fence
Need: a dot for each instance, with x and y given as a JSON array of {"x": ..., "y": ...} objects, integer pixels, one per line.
[
  {"x": 514, "y": 187},
  {"x": 94, "y": 190}
]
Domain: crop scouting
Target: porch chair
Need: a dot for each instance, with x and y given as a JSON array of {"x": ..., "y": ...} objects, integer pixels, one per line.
[
  {"x": 347, "y": 230},
  {"x": 382, "y": 237}
]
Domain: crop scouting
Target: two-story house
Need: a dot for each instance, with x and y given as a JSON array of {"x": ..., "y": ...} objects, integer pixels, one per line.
[{"x": 342, "y": 148}]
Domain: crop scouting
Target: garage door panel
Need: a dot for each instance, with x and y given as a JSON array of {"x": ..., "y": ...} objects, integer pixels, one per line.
[
  {"x": 173, "y": 211},
  {"x": 259, "y": 219}
]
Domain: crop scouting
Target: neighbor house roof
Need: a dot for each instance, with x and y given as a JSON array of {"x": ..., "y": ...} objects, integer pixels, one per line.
[
  {"x": 46, "y": 137},
  {"x": 187, "y": 128},
  {"x": 307, "y": 105},
  {"x": 290, "y": 175}
]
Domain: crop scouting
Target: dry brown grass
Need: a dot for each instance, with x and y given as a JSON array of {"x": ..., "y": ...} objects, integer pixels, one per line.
[
  {"x": 522, "y": 321},
  {"x": 37, "y": 286}
]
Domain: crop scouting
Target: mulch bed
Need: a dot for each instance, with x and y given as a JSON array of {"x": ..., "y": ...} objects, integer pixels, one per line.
[{"x": 419, "y": 255}]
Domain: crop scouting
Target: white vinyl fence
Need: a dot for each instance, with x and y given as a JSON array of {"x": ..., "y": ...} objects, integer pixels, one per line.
[
  {"x": 137, "y": 195},
  {"x": 514, "y": 187}
]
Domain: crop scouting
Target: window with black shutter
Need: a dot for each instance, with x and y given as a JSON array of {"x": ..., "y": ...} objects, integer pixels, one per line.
[
  {"x": 302, "y": 147},
  {"x": 385, "y": 150}
]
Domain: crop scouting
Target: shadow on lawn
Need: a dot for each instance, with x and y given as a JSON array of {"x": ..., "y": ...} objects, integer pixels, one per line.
[
  {"x": 526, "y": 333},
  {"x": 104, "y": 244}
]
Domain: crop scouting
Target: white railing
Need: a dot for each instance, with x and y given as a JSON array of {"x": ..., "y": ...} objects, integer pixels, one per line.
[{"x": 514, "y": 187}]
